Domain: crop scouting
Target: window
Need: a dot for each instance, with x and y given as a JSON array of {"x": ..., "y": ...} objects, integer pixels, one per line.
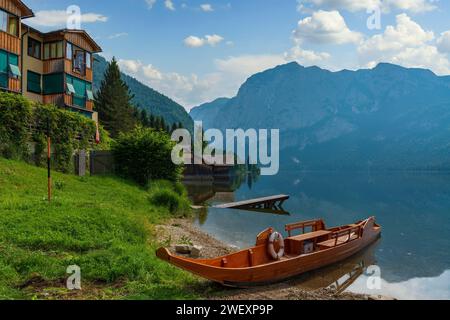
[
  {"x": 34, "y": 48},
  {"x": 34, "y": 82},
  {"x": 13, "y": 25},
  {"x": 79, "y": 62},
  {"x": 53, "y": 83},
  {"x": 9, "y": 23},
  {"x": 3, "y": 21},
  {"x": 82, "y": 91},
  {"x": 54, "y": 50},
  {"x": 3, "y": 69},
  {"x": 88, "y": 60},
  {"x": 9, "y": 68},
  {"x": 69, "y": 51}
]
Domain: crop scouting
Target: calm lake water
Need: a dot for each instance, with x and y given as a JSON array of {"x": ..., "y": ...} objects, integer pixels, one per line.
[{"x": 413, "y": 255}]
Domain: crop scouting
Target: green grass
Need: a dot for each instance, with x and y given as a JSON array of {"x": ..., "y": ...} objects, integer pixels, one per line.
[{"x": 102, "y": 224}]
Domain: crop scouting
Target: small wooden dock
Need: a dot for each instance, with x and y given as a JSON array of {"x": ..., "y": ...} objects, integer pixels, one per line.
[{"x": 266, "y": 203}]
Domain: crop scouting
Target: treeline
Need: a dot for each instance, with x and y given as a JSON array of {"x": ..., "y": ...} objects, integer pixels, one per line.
[
  {"x": 116, "y": 112},
  {"x": 147, "y": 120}
]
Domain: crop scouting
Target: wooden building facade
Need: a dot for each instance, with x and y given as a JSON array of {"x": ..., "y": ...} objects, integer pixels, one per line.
[{"x": 54, "y": 67}]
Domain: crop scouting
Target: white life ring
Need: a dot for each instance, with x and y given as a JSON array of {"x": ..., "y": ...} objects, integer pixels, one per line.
[{"x": 276, "y": 237}]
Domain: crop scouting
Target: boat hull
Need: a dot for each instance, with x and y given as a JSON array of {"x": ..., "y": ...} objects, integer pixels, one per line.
[{"x": 275, "y": 271}]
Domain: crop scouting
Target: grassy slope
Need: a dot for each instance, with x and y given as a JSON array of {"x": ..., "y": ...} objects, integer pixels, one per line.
[{"x": 101, "y": 224}]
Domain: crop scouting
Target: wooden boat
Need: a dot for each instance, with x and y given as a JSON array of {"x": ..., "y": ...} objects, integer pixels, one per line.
[{"x": 304, "y": 252}]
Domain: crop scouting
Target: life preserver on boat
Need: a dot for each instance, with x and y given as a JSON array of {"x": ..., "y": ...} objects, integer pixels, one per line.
[{"x": 276, "y": 237}]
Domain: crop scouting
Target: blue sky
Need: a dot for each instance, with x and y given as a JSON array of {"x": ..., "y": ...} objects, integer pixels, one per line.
[{"x": 196, "y": 51}]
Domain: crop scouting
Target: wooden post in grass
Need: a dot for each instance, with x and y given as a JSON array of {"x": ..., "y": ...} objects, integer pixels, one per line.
[{"x": 49, "y": 150}]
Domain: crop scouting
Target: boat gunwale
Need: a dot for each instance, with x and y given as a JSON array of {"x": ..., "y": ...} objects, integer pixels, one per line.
[{"x": 200, "y": 262}]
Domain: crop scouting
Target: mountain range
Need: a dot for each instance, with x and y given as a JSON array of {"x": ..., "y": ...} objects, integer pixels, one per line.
[
  {"x": 146, "y": 97},
  {"x": 388, "y": 117}
]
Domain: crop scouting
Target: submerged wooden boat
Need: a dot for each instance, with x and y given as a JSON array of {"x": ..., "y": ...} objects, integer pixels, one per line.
[{"x": 314, "y": 248}]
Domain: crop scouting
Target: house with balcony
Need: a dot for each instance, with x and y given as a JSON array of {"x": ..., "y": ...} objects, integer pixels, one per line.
[{"x": 53, "y": 67}]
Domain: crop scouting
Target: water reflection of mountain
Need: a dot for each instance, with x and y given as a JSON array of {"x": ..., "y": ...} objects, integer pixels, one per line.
[{"x": 412, "y": 208}]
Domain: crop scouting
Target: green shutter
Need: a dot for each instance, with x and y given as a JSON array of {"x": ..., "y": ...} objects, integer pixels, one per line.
[
  {"x": 79, "y": 98},
  {"x": 13, "y": 59},
  {"x": 90, "y": 95},
  {"x": 70, "y": 88},
  {"x": 15, "y": 71},
  {"x": 3, "y": 69},
  {"x": 34, "y": 82},
  {"x": 54, "y": 83},
  {"x": 82, "y": 91}
]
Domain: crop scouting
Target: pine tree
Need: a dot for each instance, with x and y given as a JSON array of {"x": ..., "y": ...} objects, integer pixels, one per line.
[
  {"x": 152, "y": 121},
  {"x": 144, "y": 118},
  {"x": 113, "y": 102}
]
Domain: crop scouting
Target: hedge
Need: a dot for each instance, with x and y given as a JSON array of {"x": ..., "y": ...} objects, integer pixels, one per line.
[{"x": 23, "y": 123}]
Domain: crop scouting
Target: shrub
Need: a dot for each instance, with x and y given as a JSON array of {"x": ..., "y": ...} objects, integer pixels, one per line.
[
  {"x": 144, "y": 155},
  {"x": 69, "y": 131},
  {"x": 15, "y": 119},
  {"x": 166, "y": 198},
  {"x": 169, "y": 199}
]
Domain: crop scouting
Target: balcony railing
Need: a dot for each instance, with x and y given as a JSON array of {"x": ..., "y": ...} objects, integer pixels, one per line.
[
  {"x": 9, "y": 43},
  {"x": 54, "y": 66}
]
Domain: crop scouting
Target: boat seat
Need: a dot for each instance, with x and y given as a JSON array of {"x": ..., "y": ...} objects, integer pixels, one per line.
[{"x": 332, "y": 242}]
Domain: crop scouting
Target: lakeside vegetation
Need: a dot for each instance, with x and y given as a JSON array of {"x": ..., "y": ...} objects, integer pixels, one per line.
[{"x": 105, "y": 225}]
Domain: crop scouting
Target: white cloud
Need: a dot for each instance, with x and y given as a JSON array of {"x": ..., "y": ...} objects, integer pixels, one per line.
[
  {"x": 406, "y": 44},
  {"x": 406, "y": 33},
  {"x": 188, "y": 90},
  {"x": 169, "y": 5},
  {"x": 444, "y": 42},
  {"x": 58, "y": 18},
  {"x": 197, "y": 42},
  {"x": 191, "y": 90},
  {"x": 130, "y": 66},
  {"x": 247, "y": 65},
  {"x": 351, "y": 5},
  {"x": 118, "y": 35},
  {"x": 194, "y": 42},
  {"x": 415, "y": 6},
  {"x": 150, "y": 3},
  {"x": 325, "y": 27},
  {"x": 306, "y": 57},
  {"x": 213, "y": 39},
  {"x": 206, "y": 7}
]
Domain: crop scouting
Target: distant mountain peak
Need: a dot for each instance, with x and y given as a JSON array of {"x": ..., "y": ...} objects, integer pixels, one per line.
[{"x": 389, "y": 116}]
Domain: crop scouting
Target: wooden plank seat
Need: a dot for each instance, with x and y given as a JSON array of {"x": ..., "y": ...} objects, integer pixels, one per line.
[
  {"x": 333, "y": 243},
  {"x": 310, "y": 236},
  {"x": 341, "y": 237}
]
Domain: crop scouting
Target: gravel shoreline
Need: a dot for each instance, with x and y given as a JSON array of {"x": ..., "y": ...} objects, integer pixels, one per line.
[{"x": 183, "y": 231}]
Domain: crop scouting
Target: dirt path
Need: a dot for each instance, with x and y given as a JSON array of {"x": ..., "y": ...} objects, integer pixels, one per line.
[{"x": 182, "y": 231}]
